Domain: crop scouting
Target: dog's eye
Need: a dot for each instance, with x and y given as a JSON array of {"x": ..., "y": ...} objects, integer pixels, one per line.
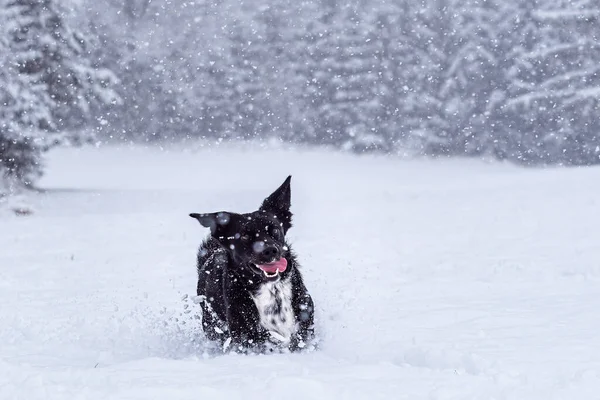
[{"x": 276, "y": 232}]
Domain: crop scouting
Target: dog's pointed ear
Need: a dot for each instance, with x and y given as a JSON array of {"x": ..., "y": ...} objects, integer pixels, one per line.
[
  {"x": 279, "y": 203},
  {"x": 214, "y": 221}
]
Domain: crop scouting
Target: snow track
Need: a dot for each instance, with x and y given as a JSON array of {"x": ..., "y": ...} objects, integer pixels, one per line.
[{"x": 432, "y": 279}]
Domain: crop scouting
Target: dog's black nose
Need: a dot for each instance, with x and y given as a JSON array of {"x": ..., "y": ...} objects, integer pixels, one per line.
[{"x": 270, "y": 252}]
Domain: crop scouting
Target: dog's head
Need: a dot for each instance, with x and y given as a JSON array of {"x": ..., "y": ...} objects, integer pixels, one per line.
[{"x": 255, "y": 240}]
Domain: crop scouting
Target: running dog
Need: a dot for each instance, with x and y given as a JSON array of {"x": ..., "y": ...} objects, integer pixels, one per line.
[{"x": 251, "y": 289}]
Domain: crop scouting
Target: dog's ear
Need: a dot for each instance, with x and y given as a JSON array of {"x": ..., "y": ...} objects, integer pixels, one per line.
[
  {"x": 279, "y": 203},
  {"x": 214, "y": 221}
]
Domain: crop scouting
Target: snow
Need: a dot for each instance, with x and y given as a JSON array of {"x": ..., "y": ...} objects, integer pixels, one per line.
[
  {"x": 432, "y": 279},
  {"x": 562, "y": 14}
]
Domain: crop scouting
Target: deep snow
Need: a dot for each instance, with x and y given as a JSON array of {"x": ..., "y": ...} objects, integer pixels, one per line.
[{"x": 432, "y": 279}]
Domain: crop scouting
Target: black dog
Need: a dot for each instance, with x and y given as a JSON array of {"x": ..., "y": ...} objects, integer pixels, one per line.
[{"x": 251, "y": 289}]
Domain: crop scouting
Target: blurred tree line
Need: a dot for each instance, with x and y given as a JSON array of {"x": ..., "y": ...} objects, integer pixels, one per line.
[{"x": 509, "y": 79}]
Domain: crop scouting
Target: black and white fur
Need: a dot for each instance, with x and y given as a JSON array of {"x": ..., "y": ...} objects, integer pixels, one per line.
[{"x": 244, "y": 308}]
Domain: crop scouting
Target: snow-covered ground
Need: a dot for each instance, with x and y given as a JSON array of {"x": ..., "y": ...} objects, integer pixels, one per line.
[{"x": 433, "y": 279}]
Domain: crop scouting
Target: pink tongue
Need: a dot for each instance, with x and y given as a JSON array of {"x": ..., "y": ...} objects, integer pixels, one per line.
[{"x": 279, "y": 265}]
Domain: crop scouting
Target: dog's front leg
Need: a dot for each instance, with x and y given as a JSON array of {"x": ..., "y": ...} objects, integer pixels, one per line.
[
  {"x": 305, "y": 318},
  {"x": 243, "y": 320},
  {"x": 246, "y": 334},
  {"x": 304, "y": 310}
]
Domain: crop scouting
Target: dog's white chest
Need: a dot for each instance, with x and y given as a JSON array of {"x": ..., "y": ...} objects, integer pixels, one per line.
[{"x": 274, "y": 303}]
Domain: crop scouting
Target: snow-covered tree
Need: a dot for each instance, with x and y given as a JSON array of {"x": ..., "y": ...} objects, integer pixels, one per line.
[
  {"x": 282, "y": 39},
  {"x": 398, "y": 70},
  {"x": 47, "y": 83},
  {"x": 51, "y": 54},
  {"x": 24, "y": 114},
  {"x": 556, "y": 83},
  {"x": 342, "y": 71},
  {"x": 473, "y": 81},
  {"x": 246, "y": 81},
  {"x": 425, "y": 60}
]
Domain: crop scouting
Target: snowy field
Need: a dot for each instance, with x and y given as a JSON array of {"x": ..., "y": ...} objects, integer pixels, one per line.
[{"x": 433, "y": 280}]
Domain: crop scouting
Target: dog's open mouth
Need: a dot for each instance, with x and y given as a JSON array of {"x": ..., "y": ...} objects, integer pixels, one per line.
[{"x": 272, "y": 269}]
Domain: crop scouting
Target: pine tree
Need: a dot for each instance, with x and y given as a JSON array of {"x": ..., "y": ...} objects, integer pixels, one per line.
[
  {"x": 24, "y": 114},
  {"x": 395, "y": 53},
  {"x": 475, "y": 84},
  {"x": 52, "y": 55},
  {"x": 46, "y": 82},
  {"x": 556, "y": 84},
  {"x": 342, "y": 71},
  {"x": 282, "y": 24},
  {"x": 416, "y": 41},
  {"x": 247, "y": 81}
]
